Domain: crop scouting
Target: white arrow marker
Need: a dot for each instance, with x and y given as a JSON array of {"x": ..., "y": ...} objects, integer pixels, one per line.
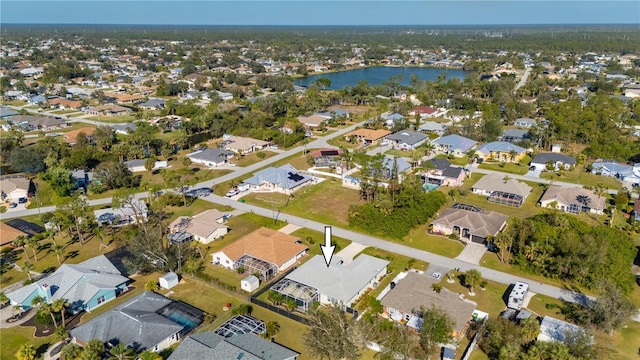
[{"x": 327, "y": 248}]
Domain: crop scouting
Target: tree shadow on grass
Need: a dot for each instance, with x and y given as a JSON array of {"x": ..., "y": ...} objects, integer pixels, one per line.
[{"x": 71, "y": 254}]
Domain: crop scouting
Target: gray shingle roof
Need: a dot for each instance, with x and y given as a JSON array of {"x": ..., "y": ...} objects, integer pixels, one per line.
[
  {"x": 496, "y": 182},
  {"x": 338, "y": 281},
  {"x": 455, "y": 142},
  {"x": 133, "y": 322},
  {"x": 214, "y": 155},
  {"x": 499, "y": 146},
  {"x": 208, "y": 345},
  {"x": 407, "y": 136},
  {"x": 285, "y": 176},
  {"x": 440, "y": 164}
]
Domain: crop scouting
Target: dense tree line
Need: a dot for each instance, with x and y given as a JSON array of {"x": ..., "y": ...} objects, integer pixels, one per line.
[
  {"x": 561, "y": 246},
  {"x": 397, "y": 210}
]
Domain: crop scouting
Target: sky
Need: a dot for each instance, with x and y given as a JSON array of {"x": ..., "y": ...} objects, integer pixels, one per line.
[{"x": 327, "y": 12}]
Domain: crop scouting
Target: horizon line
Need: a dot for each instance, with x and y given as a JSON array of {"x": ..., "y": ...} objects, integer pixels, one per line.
[{"x": 331, "y": 25}]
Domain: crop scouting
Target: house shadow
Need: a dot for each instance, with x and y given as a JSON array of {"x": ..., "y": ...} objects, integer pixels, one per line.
[
  {"x": 507, "y": 292},
  {"x": 636, "y": 261}
]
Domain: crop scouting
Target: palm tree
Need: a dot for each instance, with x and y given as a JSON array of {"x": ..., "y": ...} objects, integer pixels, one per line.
[
  {"x": 28, "y": 268},
  {"x": 26, "y": 352},
  {"x": 32, "y": 242},
  {"x": 512, "y": 155},
  {"x": 471, "y": 279},
  {"x": 95, "y": 346},
  {"x": 428, "y": 147},
  {"x": 99, "y": 232},
  {"x": 61, "y": 333},
  {"x": 290, "y": 304},
  {"x": 152, "y": 285},
  {"x": 60, "y": 305},
  {"x": 57, "y": 250},
  {"x": 21, "y": 242},
  {"x": 530, "y": 328},
  {"x": 275, "y": 297},
  {"x": 70, "y": 351},
  {"x": 121, "y": 352},
  {"x": 3, "y": 298},
  {"x": 436, "y": 287},
  {"x": 272, "y": 328}
]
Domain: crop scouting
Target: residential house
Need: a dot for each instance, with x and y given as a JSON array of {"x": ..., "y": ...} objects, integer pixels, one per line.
[
  {"x": 391, "y": 118},
  {"x": 30, "y": 122},
  {"x": 424, "y": 111},
  {"x": 62, "y": 103},
  {"x": 264, "y": 251},
  {"x": 636, "y": 210},
  {"x": 368, "y": 136},
  {"x": 137, "y": 165},
  {"x": 126, "y": 214},
  {"x": 312, "y": 121},
  {"x": 108, "y": 110},
  {"x": 71, "y": 137},
  {"x": 204, "y": 227},
  {"x": 502, "y": 190},
  {"x": 211, "y": 157},
  {"x": 501, "y": 151},
  {"x": 152, "y": 104},
  {"x": 443, "y": 174},
  {"x": 9, "y": 233},
  {"x": 333, "y": 114},
  {"x": 573, "y": 200},
  {"x": 514, "y": 135},
  {"x": 339, "y": 284},
  {"x": 553, "y": 162},
  {"x": 407, "y": 139},
  {"x": 469, "y": 223},
  {"x": 454, "y": 144},
  {"x": 125, "y": 98},
  {"x": 284, "y": 179},
  {"x": 14, "y": 188},
  {"x": 81, "y": 178},
  {"x": 225, "y": 96},
  {"x": 326, "y": 157},
  {"x": 36, "y": 100},
  {"x": 433, "y": 127},
  {"x": 148, "y": 321},
  {"x": 86, "y": 286},
  {"x": 7, "y": 113},
  {"x": 552, "y": 329},
  {"x": 392, "y": 166},
  {"x": 625, "y": 173},
  {"x": 525, "y": 122},
  {"x": 242, "y": 145},
  {"x": 249, "y": 346},
  {"x": 413, "y": 292},
  {"x": 124, "y": 129}
]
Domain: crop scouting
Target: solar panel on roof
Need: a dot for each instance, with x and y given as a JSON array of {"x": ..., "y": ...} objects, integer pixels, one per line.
[
  {"x": 329, "y": 152},
  {"x": 25, "y": 226},
  {"x": 295, "y": 177}
]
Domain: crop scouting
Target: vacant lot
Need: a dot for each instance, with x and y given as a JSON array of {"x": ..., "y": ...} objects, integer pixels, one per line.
[
  {"x": 326, "y": 202},
  {"x": 580, "y": 176}
]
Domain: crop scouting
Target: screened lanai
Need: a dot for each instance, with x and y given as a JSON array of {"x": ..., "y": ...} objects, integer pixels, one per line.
[
  {"x": 304, "y": 295},
  {"x": 263, "y": 269}
]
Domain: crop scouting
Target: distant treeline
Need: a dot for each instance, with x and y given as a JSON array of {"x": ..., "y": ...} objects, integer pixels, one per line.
[{"x": 566, "y": 38}]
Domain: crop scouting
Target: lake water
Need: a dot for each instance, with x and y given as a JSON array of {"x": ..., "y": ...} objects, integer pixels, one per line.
[{"x": 378, "y": 74}]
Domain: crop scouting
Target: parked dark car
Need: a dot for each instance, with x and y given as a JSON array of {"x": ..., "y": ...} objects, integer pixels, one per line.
[
  {"x": 12, "y": 205},
  {"x": 22, "y": 200}
]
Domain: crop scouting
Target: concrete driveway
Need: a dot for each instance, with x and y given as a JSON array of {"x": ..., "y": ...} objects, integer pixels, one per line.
[
  {"x": 534, "y": 173},
  {"x": 347, "y": 254},
  {"x": 472, "y": 253}
]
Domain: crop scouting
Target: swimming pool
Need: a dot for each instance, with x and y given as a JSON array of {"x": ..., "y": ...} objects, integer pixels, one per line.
[
  {"x": 429, "y": 187},
  {"x": 184, "y": 320}
]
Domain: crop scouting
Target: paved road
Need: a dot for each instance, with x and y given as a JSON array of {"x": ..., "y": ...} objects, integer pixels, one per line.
[
  {"x": 367, "y": 240},
  {"x": 523, "y": 81}
]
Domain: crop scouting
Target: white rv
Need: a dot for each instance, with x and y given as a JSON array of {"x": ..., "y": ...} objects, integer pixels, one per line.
[{"x": 519, "y": 292}]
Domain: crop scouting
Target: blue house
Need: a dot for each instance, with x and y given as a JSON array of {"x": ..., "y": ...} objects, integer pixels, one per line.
[{"x": 85, "y": 286}]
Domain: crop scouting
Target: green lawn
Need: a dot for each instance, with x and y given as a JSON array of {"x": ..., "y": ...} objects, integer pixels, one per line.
[
  {"x": 580, "y": 176},
  {"x": 12, "y": 338},
  {"x": 326, "y": 202},
  {"x": 627, "y": 342},
  {"x": 313, "y": 239},
  {"x": 462, "y": 161},
  {"x": 398, "y": 153},
  {"x": 114, "y": 119},
  {"x": 252, "y": 158},
  {"x": 418, "y": 238},
  {"x": 506, "y": 167}
]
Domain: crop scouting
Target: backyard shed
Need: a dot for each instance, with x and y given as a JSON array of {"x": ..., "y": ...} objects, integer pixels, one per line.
[
  {"x": 169, "y": 280},
  {"x": 250, "y": 283}
]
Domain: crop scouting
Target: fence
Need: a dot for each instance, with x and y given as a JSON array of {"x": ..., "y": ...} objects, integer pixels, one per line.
[{"x": 254, "y": 300}]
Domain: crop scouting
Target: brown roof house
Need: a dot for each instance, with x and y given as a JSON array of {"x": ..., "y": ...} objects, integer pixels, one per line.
[
  {"x": 469, "y": 223},
  {"x": 264, "y": 252},
  {"x": 368, "y": 136},
  {"x": 573, "y": 200},
  {"x": 62, "y": 103},
  {"x": 413, "y": 293},
  {"x": 312, "y": 121},
  {"x": 71, "y": 137},
  {"x": 204, "y": 227},
  {"x": 9, "y": 233},
  {"x": 108, "y": 110}
]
